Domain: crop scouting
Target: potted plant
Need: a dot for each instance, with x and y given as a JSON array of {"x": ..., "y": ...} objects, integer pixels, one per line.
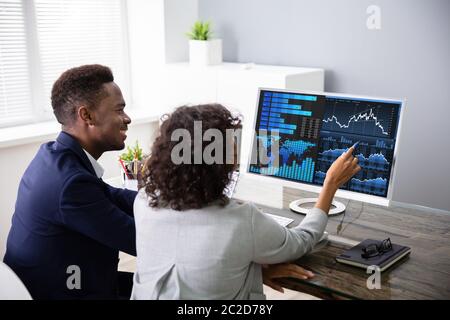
[
  {"x": 131, "y": 162},
  {"x": 203, "y": 50}
]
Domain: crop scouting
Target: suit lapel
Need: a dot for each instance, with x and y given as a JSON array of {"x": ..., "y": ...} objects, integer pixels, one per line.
[{"x": 71, "y": 143}]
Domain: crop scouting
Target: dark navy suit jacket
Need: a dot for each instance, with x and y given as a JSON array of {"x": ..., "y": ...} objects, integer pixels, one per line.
[{"x": 65, "y": 216}]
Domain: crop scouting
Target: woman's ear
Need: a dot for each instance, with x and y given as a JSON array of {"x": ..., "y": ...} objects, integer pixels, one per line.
[{"x": 86, "y": 115}]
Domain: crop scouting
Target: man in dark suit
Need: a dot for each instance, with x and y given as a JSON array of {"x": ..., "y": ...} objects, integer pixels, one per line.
[{"x": 69, "y": 225}]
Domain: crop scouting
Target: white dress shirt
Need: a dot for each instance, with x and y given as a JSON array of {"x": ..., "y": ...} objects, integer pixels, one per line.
[{"x": 97, "y": 167}]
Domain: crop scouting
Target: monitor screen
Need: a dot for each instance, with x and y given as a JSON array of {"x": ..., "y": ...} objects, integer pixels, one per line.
[{"x": 299, "y": 135}]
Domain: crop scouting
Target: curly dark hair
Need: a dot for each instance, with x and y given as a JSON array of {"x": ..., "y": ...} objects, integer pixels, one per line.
[
  {"x": 188, "y": 185},
  {"x": 80, "y": 85}
]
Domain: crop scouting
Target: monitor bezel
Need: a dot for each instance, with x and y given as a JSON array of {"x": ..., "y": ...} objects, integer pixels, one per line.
[{"x": 347, "y": 194}]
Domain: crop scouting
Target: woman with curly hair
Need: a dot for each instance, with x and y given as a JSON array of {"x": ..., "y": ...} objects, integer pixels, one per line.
[{"x": 192, "y": 241}]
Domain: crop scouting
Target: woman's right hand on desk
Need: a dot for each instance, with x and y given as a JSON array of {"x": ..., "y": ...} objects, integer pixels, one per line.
[
  {"x": 271, "y": 272},
  {"x": 342, "y": 169}
]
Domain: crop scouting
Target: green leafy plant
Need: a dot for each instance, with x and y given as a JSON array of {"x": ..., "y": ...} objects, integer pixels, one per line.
[
  {"x": 132, "y": 153},
  {"x": 200, "y": 31}
]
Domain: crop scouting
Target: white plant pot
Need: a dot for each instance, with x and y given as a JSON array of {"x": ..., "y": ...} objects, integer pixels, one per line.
[{"x": 205, "y": 52}]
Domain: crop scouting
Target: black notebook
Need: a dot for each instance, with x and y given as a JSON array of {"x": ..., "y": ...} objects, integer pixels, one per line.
[{"x": 383, "y": 261}]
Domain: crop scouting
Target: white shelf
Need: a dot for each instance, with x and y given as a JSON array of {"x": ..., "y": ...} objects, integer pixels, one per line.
[{"x": 43, "y": 131}]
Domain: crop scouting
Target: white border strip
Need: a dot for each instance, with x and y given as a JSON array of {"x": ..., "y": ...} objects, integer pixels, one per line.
[
  {"x": 43, "y": 131},
  {"x": 418, "y": 207}
]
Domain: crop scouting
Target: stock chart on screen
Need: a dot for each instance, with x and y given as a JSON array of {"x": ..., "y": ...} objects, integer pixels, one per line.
[{"x": 298, "y": 136}]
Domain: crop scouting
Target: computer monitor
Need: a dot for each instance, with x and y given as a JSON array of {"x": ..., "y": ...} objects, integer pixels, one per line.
[{"x": 299, "y": 134}]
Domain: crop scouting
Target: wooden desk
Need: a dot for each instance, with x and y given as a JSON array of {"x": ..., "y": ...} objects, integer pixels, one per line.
[{"x": 425, "y": 274}]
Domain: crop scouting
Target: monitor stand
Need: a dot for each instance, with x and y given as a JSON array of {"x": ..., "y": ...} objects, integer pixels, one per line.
[{"x": 304, "y": 205}]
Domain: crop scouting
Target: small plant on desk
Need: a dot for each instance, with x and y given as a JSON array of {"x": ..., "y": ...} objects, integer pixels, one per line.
[{"x": 131, "y": 162}]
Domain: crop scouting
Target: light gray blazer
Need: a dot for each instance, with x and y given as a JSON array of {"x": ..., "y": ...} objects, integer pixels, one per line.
[{"x": 214, "y": 252}]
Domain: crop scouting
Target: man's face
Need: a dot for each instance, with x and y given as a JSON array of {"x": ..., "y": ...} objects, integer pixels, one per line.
[{"x": 111, "y": 121}]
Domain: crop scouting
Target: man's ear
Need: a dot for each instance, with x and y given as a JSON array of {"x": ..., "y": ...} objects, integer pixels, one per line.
[{"x": 86, "y": 115}]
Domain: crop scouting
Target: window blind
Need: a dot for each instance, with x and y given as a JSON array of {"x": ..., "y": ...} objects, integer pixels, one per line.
[
  {"x": 15, "y": 91},
  {"x": 71, "y": 33},
  {"x": 40, "y": 39}
]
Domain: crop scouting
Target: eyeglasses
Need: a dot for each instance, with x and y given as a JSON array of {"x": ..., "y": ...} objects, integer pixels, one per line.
[{"x": 374, "y": 250}]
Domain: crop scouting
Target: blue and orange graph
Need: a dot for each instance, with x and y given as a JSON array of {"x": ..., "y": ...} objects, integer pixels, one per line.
[
  {"x": 361, "y": 116},
  {"x": 292, "y": 160},
  {"x": 290, "y": 121},
  {"x": 375, "y": 161},
  {"x": 371, "y": 123},
  {"x": 312, "y": 131},
  {"x": 280, "y": 111},
  {"x": 301, "y": 172},
  {"x": 377, "y": 186}
]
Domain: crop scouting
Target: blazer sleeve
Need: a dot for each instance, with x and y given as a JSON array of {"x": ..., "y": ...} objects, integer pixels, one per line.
[
  {"x": 123, "y": 198},
  {"x": 85, "y": 208},
  {"x": 274, "y": 243}
]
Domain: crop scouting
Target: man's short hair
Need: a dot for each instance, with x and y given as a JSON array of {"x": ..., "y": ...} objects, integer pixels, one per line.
[{"x": 77, "y": 86}]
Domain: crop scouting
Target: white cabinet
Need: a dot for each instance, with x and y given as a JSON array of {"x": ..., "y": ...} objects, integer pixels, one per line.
[{"x": 234, "y": 85}]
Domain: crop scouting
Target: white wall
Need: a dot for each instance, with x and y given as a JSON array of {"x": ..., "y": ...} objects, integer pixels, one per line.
[
  {"x": 407, "y": 58},
  {"x": 157, "y": 31},
  {"x": 13, "y": 162},
  {"x": 179, "y": 16},
  {"x": 146, "y": 45}
]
